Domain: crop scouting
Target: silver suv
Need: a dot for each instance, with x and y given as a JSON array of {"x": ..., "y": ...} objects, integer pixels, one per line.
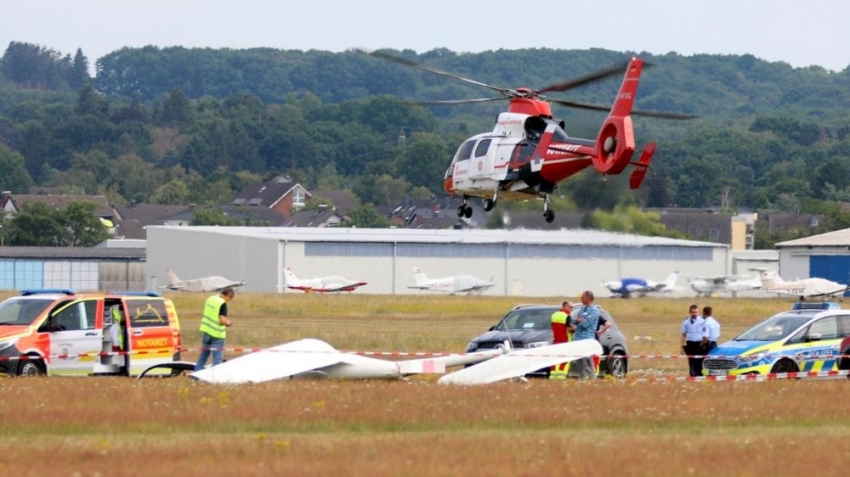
[{"x": 529, "y": 326}]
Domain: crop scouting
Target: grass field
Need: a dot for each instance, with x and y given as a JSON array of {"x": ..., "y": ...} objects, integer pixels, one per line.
[{"x": 119, "y": 426}]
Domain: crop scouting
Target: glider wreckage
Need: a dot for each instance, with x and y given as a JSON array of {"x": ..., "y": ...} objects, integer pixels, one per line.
[{"x": 312, "y": 358}]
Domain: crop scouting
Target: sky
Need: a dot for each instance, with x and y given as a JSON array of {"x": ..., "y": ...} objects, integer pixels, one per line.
[{"x": 792, "y": 31}]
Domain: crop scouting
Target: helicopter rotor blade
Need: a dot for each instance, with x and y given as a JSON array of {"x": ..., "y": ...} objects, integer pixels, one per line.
[
  {"x": 460, "y": 101},
  {"x": 635, "y": 112},
  {"x": 614, "y": 70},
  {"x": 402, "y": 61}
]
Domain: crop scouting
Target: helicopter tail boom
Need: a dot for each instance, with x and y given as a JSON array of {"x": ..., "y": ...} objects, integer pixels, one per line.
[{"x": 615, "y": 144}]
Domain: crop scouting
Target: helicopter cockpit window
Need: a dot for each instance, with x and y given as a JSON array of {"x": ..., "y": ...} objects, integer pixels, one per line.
[
  {"x": 465, "y": 151},
  {"x": 483, "y": 147}
]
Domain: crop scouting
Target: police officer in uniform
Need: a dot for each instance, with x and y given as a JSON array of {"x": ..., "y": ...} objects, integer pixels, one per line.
[
  {"x": 213, "y": 328},
  {"x": 712, "y": 331},
  {"x": 693, "y": 330}
]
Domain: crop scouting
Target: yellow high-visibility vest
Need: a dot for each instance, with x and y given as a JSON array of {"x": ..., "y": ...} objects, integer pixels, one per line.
[{"x": 211, "y": 324}]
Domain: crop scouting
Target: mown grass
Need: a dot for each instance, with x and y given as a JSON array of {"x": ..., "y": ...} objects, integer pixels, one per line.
[{"x": 118, "y": 426}]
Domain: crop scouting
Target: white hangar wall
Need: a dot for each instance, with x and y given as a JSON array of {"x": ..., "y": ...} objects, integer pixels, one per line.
[
  {"x": 194, "y": 252},
  {"x": 521, "y": 263}
]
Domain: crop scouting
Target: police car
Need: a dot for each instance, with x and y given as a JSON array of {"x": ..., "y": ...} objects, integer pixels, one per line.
[{"x": 804, "y": 339}]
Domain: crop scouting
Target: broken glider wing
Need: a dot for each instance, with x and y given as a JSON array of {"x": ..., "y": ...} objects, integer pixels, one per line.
[
  {"x": 521, "y": 362},
  {"x": 312, "y": 358},
  {"x": 278, "y": 362}
]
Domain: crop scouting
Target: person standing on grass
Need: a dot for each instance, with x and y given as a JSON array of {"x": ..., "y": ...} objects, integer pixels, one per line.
[
  {"x": 561, "y": 329},
  {"x": 693, "y": 330},
  {"x": 214, "y": 328},
  {"x": 587, "y": 328},
  {"x": 712, "y": 331}
]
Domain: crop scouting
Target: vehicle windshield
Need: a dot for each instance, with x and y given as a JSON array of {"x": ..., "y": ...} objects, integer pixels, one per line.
[
  {"x": 773, "y": 329},
  {"x": 22, "y": 312},
  {"x": 529, "y": 319}
]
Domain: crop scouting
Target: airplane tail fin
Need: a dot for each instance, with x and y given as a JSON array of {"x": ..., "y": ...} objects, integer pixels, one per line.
[
  {"x": 419, "y": 276},
  {"x": 769, "y": 279},
  {"x": 615, "y": 143},
  {"x": 670, "y": 282},
  {"x": 173, "y": 280},
  {"x": 289, "y": 277}
]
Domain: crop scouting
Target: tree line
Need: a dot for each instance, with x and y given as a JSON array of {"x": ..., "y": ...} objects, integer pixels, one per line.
[{"x": 178, "y": 125}]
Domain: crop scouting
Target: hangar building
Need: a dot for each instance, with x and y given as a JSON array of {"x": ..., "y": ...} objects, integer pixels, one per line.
[
  {"x": 521, "y": 262},
  {"x": 825, "y": 256}
]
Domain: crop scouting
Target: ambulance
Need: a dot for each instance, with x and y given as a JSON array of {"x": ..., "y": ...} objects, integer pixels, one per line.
[{"x": 59, "y": 332}]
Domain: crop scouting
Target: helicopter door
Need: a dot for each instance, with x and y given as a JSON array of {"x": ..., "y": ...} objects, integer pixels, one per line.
[{"x": 482, "y": 160}]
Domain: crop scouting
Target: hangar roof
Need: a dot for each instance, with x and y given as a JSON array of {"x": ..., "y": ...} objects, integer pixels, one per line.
[
  {"x": 837, "y": 238},
  {"x": 560, "y": 237}
]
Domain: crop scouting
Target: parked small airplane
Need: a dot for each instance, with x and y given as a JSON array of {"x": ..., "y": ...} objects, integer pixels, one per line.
[
  {"x": 453, "y": 284},
  {"x": 312, "y": 358},
  {"x": 805, "y": 288},
  {"x": 707, "y": 286},
  {"x": 207, "y": 284},
  {"x": 626, "y": 287},
  {"x": 329, "y": 284}
]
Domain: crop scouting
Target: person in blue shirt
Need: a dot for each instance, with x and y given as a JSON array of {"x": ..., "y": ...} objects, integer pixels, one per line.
[
  {"x": 587, "y": 328},
  {"x": 712, "y": 331},
  {"x": 693, "y": 331}
]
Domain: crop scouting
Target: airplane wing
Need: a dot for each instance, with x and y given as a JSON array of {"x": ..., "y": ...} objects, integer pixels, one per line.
[
  {"x": 521, "y": 362},
  {"x": 340, "y": 288},
  {"x": 218, "y": 283},
  {"x": 278, "y": 362},
  {"x": 480, "y": 286}
]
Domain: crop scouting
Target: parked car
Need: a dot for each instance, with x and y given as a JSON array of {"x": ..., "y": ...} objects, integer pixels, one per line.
[
  {"x": 844, "y": 359},
  {"x": 806, "y": 338},
  {"x": 59, "y": 332},
  {"x": 529, "y": 326}
]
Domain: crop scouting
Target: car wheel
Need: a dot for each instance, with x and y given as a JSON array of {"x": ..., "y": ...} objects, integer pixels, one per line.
[
  {"x": 617, "y": 366},
  {"x": 784, "y": 366},
  {"x": 30, "y": 368}
]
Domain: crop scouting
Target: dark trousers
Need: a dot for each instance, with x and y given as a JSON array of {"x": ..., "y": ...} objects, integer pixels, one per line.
[{"x": 693, "y": 348}]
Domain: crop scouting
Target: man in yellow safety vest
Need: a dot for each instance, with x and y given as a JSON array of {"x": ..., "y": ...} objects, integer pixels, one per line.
[
  {"x": 561, "y": 331},
  {"x": 213, "y": 328}
]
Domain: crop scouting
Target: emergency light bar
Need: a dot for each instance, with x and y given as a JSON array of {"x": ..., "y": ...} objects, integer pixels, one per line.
[
  {"x": 827, "y": 305},
  {"x": 138, "y": 293},
  {"x": 44, "y": 291}
]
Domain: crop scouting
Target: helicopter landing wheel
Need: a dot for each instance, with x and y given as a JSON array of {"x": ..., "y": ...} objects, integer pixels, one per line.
[
  {"x": 461, "y": 210},
  {"x": 549, "y": 215},
  {"x": 468, "y": 212},
  {"x": 489, "y": 204}
]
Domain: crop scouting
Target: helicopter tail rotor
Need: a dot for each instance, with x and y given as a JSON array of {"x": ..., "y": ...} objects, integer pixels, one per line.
[{"x": 615, "y": 144}]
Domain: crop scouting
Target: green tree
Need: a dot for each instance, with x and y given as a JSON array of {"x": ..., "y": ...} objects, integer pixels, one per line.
[
  {"x": 78, "y": 75},
  {"x": 212, "y": 216},
  {"x": 366, "y": 216},
  {"x": 13, "y": 175},
  {"x": 173, "y": 192},
  {"x": 38, "y": 225},
  {"x": 425, "y": 161},
  {"x": 89, "y": 102},
  {"x": 83, "y": 226}
]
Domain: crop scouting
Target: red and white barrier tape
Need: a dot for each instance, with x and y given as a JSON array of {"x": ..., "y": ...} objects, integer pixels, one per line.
[
  {"x": 395, "y": 354},
  {"x": 743, "y": 377}
]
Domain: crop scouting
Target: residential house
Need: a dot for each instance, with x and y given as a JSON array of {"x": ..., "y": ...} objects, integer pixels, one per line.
[
  {"x": 11, "y": 204},
  {"x": 280, "y": 194},
  {"x": 334, "y": 209}
]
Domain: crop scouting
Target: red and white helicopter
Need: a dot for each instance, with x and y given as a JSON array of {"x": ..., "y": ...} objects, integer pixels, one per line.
[{"x": 528, "y": 153}]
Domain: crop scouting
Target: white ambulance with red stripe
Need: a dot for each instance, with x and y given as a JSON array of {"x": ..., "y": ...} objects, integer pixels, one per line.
[{"x": 59, "y": 332}]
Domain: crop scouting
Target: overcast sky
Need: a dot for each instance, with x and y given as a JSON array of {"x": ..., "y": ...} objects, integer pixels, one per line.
[{"x": 796, "y": 32}]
